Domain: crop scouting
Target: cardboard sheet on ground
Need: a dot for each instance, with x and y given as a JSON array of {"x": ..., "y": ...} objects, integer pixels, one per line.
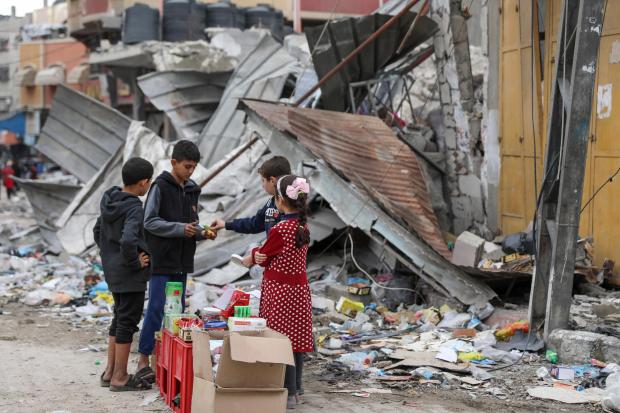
[
  {"x": 424, "y": 359},
  {"x": 591, "y": 395},
  {"x": 77, "y": 221}
]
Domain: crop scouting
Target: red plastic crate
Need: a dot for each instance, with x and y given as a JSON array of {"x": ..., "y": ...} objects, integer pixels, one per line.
[
  {"x": 181, "y": 376},
  {"x": 164, "y": 367},
  {"x": 157, "y": 361}
]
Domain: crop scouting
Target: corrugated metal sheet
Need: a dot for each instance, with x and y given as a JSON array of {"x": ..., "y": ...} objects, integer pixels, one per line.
[
  {"x": 188, "y": 97},
  {"x": 81, "y": 134},
  {"x": 48, "y": 199},
  {"x": 260, "y": 75},
  {"x": 345, "y": 35},
  {"x": 366, "y": 152},
  {"x": 358, "y": 210}
]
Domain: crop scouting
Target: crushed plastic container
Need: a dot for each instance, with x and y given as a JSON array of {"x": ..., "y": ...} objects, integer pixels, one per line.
[{"x": 174, "y": 293}]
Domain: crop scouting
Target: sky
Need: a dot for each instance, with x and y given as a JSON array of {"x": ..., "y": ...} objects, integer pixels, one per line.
[{"x": 23, "y": 6}]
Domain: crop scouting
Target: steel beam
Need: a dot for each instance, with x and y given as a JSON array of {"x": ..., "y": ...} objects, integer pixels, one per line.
[{"x": 565, "y": 161}]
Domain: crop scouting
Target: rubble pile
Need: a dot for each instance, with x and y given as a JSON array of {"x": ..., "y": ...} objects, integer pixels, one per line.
[{"x": 33, "y": 275}]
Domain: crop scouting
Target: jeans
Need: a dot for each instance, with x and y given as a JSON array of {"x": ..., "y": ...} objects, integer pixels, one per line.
[
  {"x": 292, "y": 375},
  {"x": 155, "y": 309}
]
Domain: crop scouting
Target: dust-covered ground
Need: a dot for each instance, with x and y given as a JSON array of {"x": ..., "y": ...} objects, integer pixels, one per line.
[{"x": 47, "y": 366}]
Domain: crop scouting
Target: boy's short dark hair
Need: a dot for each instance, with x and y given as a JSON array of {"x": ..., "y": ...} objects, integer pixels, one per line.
[
  {"x": 135, "y": 170},
  {"x": 186, "y": 151},
  {"x": 277, "y": 166}
]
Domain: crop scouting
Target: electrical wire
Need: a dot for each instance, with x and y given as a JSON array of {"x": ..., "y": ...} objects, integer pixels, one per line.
[
  {"x": 370, "y": 277},
  {"x": 607, "y": 181}
]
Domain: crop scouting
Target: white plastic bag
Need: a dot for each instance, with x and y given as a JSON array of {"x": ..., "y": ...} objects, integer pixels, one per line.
[{"x": 611, "y": 398}]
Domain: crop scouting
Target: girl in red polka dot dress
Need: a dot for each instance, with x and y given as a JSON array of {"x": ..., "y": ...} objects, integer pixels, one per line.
[{"x": 285, "y": 293}]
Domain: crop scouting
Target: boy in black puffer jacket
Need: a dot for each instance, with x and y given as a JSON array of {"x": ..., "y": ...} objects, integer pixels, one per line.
[{"x": 119, "y": 234}]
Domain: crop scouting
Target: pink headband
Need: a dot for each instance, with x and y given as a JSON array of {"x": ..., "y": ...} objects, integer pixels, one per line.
[{"x": 299, "y": 186}]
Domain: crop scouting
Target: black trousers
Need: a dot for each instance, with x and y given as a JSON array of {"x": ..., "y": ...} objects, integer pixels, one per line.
[
  {"x": 292, "y": 376},
  {"x": 127, "y": 313}
]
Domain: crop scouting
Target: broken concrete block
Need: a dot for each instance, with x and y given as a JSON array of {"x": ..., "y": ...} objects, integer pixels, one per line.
[
  {"x": 462, "y": 207},
  {"x": 492, "y": 252},
  {"x": 450, "y": 138},
  {"x": 468, "y": 250},
  {"x": 577, "y": 347},
  {"x": 470, "y": 185}
]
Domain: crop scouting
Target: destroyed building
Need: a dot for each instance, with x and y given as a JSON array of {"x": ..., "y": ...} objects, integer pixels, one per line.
[{"x": 434, "y": 135}]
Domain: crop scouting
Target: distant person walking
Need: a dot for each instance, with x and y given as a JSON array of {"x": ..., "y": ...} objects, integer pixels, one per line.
[{"x": 7, "y": 179}]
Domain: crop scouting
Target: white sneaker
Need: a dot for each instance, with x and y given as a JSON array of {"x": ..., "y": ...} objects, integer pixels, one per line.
[{"x": 237, "y": 259}]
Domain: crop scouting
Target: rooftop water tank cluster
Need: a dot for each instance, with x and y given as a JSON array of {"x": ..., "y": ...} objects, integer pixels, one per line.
[{"x": 186, "y": 20}]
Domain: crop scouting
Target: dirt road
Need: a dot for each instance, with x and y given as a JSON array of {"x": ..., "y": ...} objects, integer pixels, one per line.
[{"x": 43, "y": 370}]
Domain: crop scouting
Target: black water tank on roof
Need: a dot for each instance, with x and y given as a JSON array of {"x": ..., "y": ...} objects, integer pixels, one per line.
[
  {"x": 183, "y": 20},
  {"x": 225, "y": 14},
  {"x": 265, "y": 16},
  {"x": 140, "y": 23}
]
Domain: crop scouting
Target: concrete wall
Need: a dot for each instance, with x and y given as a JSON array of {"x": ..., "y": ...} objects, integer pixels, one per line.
[
  {"x": 41, "y": 54},
  {"x": 9, "y": 29},
  {"x": 461, "y": 120}
]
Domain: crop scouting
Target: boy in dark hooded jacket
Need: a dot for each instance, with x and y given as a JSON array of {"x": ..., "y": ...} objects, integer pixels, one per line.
[{"x": 119, "y": 233}]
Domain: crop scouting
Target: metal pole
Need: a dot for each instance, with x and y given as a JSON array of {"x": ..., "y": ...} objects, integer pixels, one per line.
[
  {"x": 425, "y": 8},
  {"x": 573, "y": 162},
  {"x": 230, "y": 160},
  {"x": 357, "y": 51}
]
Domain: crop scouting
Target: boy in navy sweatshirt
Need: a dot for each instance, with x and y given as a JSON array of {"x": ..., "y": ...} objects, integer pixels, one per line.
[
  {"x": 266, "y": 217},
  {"x": 171, "y": 224},
  {"x": 119, "y": 234}
]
